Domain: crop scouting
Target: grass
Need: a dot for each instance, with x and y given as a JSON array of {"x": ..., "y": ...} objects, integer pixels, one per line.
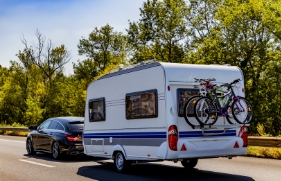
[
  {"x": 264, "y": 152},
  {"x": 13, "y": 133}
]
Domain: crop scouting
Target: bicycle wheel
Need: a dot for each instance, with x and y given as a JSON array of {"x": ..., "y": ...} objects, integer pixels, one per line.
[
  {"x": 206, "y": 111},
  {"x": 189, "y": 115},
  {"x": 229, "y": 116},
  {"x": 242, "y": 111}
]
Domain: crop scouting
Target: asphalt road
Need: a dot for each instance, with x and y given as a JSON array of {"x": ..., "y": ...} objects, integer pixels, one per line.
[{"x": 16, "y": 165}]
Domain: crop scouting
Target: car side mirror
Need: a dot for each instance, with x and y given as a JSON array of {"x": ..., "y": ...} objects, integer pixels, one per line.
[{"x": 32, "y": 128}]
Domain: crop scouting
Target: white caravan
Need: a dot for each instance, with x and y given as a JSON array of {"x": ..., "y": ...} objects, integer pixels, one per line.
[{"x": 135, "y": 114}]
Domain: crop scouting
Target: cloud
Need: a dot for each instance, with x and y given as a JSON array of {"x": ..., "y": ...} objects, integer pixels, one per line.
[{"x": 64, "y": 22}]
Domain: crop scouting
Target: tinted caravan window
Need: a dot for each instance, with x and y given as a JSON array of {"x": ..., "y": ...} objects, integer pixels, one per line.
[
  {"x": 97, "y": 109},
  {"x": 142, "y": 105},
  {"x": 183, "y": 96}
]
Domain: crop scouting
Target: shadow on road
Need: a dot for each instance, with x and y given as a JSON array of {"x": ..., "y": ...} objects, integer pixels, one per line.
[{"x": 148, "y": 172}]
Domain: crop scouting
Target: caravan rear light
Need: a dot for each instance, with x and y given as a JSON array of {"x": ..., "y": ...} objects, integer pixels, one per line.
[
  {"x": 243, "y": 133},
  {"x": 173, "y": 137}
]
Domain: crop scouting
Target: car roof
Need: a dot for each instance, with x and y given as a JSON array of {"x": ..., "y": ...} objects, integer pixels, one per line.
[{"x": 70, "y": 119}]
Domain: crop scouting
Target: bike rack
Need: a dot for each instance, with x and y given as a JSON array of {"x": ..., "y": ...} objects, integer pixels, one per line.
[{"x": 223, "y": 128}]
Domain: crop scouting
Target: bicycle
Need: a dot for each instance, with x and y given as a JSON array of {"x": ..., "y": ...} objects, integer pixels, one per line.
[
  {"x": 205, "y": 88},
  {"x": 239, "y": 107}
]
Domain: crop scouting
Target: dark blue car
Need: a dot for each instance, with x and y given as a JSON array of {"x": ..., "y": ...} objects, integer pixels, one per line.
[{"x": 60, "y": 135}]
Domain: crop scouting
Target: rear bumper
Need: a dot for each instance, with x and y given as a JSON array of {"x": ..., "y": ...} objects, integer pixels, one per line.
[
  {"x": 208, "y": 147},
  {"x": 74, "y": 149}
]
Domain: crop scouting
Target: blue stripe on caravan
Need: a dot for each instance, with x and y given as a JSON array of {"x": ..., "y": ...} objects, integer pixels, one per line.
[
  {"x": 127, "y": 135},
  {"x": 182, "y": 134}
]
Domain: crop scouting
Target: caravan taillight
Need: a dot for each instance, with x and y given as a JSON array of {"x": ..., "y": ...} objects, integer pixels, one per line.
[
  {"x": 173, "y": 137},
  {"x": 243, "y": 133}
]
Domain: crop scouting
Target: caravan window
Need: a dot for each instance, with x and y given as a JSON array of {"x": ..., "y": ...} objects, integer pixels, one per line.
[
  {"x": 97, "y": 109},
  {"x": 142, "y": 105},
  {"x": 183, "y": 96}
]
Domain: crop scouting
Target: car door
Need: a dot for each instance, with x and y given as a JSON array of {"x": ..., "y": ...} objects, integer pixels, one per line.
[
  {"x": 51, "y": 132},
  {"x": 41, "y": 136}
]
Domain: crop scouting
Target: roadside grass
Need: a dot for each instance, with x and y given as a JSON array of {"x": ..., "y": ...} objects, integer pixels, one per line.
[
  {"x": 264, "y": 152},
  {"x": 13, "y": 133}
]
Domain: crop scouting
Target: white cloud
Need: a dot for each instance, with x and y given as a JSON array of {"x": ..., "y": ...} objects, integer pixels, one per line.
[{"x": 64, "y": 22}]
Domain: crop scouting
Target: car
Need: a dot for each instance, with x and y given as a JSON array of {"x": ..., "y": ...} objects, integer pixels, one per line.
[{"x": 58, "y": 136}]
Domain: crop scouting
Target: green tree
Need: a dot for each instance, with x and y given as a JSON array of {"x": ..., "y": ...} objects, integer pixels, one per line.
[
  {"x": 85, "y": 71},
  {"x": 236, "y": 33},
  {"x": 46, "y": 56},
  {"x": 102, "y": 47},
  {"x": 160, "y": 32}
]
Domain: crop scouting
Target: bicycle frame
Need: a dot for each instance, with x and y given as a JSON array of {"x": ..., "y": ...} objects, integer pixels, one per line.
[{"x": 222, "y": 109}]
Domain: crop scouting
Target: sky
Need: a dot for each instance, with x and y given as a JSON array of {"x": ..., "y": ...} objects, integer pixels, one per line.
[{"x": 61, "y": 21}]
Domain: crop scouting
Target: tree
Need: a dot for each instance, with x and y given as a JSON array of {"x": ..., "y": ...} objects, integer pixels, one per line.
[
  {"x": 85, "y": 70},
  {"x": 46, "y": 56},
  {"x": 236, "y": 33},
  {"x": 160, "y": 32},
  {"x": 102, "y": 46}
]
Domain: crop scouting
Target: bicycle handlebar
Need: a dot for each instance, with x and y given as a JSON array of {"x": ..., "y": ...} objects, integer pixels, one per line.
[{"x": 228, "y": 85}]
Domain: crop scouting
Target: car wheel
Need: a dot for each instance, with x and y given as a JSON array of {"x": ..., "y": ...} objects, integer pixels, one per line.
[
  {"x": 56, "y": 150},
  {"x": 121, "y": 164},
  {"x": 29, "y": 147},
  {"x": 189, "y": 163}
]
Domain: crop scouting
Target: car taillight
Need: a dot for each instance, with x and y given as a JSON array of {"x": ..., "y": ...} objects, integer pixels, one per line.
[
  {"x": 173, "y": 137},
  {"x": 243, "y": 133},
  {"x": 72, "y": 138}
]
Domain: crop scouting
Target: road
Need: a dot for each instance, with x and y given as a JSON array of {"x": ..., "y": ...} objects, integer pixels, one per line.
[{"x": 16, "y": 165}]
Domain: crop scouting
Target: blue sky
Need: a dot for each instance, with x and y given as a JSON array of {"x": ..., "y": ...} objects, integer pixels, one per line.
[{"x": 62, "y": 21}]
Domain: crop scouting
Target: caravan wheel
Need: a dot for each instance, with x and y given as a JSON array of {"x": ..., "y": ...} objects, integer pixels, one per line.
[
  {"x": 189, "y": 163},
  {"x": 121, "y": 164}
]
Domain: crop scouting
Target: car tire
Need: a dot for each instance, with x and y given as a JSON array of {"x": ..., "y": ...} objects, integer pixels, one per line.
[
  {"x": 56, "y": 150},
  {"x": 121, "y": 164},
  {"x": 189, "y": 163},
  {"x": 29, "y": 147}
]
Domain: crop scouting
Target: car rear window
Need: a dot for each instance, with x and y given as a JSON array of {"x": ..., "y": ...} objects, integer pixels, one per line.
[{"x": 76, "y": 126}]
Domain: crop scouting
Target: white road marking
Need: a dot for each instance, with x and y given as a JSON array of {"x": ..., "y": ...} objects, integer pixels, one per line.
[
  {"x": 41, "y": 164},
  {"x": 13, "y": 141}
]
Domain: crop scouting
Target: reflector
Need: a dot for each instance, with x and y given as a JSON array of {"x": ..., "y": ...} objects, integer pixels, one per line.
[
  {"x": 236, "y": 145},
  {"x": 183, "y": 148}
]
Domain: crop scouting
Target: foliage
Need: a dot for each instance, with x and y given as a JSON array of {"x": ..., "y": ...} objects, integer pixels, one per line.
[
  {"x": 160, "y": 31},
  {"x": 264, "y": 152},
  {"x": 102, "y": 46}
]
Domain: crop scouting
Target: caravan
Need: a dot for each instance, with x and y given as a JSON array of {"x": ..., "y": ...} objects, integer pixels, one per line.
[{"x": 135, "y": 114}]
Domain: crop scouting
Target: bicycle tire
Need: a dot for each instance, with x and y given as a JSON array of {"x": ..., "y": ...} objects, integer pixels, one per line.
[
  {"x": 230, "y": 119},
  {"x": 189, "y": 111},
  {"x": 204, "y": 110},
  {"x": 248, "y": 111}
]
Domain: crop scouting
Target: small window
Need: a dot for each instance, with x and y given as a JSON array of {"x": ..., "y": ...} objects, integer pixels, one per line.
[
  {"x": 44, "y": 125},
  {"x": 76, "y": 126},
  {"x": 183, "y": 96},
  {"x": 60, "y": 127},
  {"x": 53, "y": 125},
  {"x": 97, "y": 109},
  {"x": 142, "y": 105}
]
